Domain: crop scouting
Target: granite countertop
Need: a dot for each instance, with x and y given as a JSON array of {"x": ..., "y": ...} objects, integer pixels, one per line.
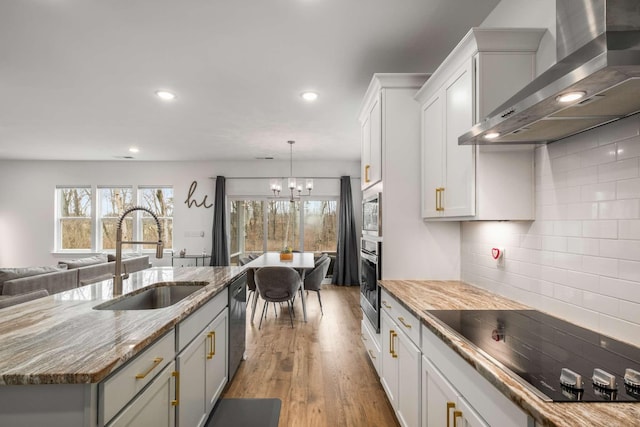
[
  {"x": 61, "y": 339},
  {"x": 419, "y": 295}
]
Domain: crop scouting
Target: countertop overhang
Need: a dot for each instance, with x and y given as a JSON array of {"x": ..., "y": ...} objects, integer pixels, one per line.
[
  {"x": 419, "y": 295},
  {"x": 61, "y": 339}
]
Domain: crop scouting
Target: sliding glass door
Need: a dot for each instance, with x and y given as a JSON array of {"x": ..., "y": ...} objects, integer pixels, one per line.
[{"x": 259, "y": 225}]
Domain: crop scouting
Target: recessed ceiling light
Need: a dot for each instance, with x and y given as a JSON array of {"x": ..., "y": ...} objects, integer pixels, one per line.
[
  {"x": 167, "y": 96},
  {"x": 134, "y": 149},
  {"x": 492, "y": 135},
  {"x": 309, "y": 96},
  {"x": 570, "y": 96}
]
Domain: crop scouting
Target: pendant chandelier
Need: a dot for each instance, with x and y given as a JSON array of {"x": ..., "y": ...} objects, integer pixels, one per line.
[{"x": 295, "y": 186}]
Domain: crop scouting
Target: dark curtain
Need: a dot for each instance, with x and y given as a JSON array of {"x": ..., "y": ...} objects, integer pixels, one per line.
[
  {"x": 219, "y": 247},
  {"x": 345, "y": 270}
]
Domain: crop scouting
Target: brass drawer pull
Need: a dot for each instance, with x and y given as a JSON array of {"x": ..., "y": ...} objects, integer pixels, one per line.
[
  {"x": 386, "y": 305},
  {"x": 456, "y": 414},
  {"x": 176, "y": 374},
  {"x": 212, "y": 344},
  {"x": 364, "y": 338},
  {"x": 371, "y": 354},
  {"x": 406, "y": 325},
  {"x": 450, "y": 405},
  {"x": 156, "y": 362}
]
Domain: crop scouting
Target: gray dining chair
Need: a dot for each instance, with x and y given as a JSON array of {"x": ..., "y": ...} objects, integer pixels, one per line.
[
  {"x": 277, "y": 284},
  {"x": 313, "y": 279}
]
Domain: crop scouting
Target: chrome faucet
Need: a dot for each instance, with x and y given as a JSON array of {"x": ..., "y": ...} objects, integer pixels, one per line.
[{"x": 118, "y": 277}]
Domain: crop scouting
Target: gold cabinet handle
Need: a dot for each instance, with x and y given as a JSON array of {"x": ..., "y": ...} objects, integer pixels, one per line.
[
  {"x": 406, "y": 325},
  {"x": 439, "y": 206},
  {"x": 450, "y": 405},
  {"x": 393, "y": 334},
  {"x": 364, "y": 338},
  {"x": 176, "y": 374},
  {"x": 371, "y": 353},
  {"x": 366, "y": 173},
  {"x": 386, "y": 305},
  {"x": 156, "y": 362},
  {"x": 456, "y": 414},
  {"x": 212, "y": 344}
]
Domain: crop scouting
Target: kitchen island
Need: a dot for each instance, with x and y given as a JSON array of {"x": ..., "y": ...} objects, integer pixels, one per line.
[
  {"x": 417, "y": 296},
  {"x": 61, "y": 347}
]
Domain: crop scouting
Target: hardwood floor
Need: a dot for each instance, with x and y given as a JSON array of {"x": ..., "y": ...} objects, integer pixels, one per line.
[{"x": 319, "y": 369}]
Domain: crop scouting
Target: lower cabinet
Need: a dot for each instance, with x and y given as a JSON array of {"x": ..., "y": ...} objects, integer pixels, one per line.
[
  {"x": 154, "y": 407},
  {"x": 371, "y": 341},
  {"x": 455, "y": 394},
  {"x": 441, "y": 403},
  {"x": 202, "y": 368},
  {"x": 400, "y": 371}
]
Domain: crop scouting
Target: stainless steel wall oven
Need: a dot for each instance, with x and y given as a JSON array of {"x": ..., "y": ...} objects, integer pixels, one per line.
[{"x": 370, "y": 273}]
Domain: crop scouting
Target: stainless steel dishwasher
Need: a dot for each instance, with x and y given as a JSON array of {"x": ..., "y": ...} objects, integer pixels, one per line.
[{"x": 237, "y": 322}]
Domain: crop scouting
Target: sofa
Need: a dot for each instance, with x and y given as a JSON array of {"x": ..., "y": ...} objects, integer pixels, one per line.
[{"x": 66, "y": 275}]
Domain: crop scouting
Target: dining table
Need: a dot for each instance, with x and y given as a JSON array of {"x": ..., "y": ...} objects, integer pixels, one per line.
[{"x": 301, "y": 261}]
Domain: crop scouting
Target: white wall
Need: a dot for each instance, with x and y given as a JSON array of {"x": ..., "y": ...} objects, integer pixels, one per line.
[{"x": 27, "y": 194}]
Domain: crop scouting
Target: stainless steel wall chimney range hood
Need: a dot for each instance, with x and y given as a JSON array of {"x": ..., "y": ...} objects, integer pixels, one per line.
[{"x": 598, "y": 54}]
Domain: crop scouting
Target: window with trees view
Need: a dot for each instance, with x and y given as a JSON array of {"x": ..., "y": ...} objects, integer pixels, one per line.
[
  {"x": 81, "y": 227},
  {"x": 270, "y": 225}
]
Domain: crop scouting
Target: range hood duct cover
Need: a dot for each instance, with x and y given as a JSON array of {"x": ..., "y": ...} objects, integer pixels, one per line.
[{"x": 598, "y": 52}]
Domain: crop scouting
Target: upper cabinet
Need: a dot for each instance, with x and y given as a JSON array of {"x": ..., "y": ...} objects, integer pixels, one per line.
[
  {"x": 472, "y": 182},
  {"x": 375, "y": 117}
]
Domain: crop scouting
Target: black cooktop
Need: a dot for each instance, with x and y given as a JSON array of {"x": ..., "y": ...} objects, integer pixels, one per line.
[{"x": 536, "y": 347}]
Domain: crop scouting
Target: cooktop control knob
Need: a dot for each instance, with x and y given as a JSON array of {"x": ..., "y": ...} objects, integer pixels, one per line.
[
  {"x": 604, "y": 380},
  {"x": 571, "y": 379},
  {"x": 632, "y": 378}
]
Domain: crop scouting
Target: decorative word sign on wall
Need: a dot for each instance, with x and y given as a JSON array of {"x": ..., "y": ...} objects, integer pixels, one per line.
[{"x": 190, "y": 203}]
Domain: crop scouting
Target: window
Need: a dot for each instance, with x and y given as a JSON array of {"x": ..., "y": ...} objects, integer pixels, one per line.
[
  {"x": 79, "y": 227},
  {"x": 74, "y": 218},
  {"x": 270, "y": 225},
  {"x": 160, "y": 201},
  {"x": 113, "y": 202}
]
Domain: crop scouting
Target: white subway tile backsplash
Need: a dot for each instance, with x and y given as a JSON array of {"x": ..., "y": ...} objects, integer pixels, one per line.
[
  {"x": 628, "y": 189},
  {"x": 622, "y": 169},
  {"x": 619, "y": 209},
  {"x": 629, "y": 229},
  {"x": 598, "y": 192},
  {"x": 580, "y": 258},
  {"x": 606, "y": 229},
  {"x": 622, "y": 129},
  {"x": 629, "y": 148},
  {"x": 584, "y": 281},
  {"x": 598, "y": 156},
  {"x": 583, "y": 246},
  {"x": 601, "y": 303},
  {"x": 600, "y": 265},
  {"x": 629, "y": 270},
  {"x": 629, "y": 311}
]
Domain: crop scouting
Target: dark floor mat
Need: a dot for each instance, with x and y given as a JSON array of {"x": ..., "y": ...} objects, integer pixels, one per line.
[{"x": 245, "y": 413}]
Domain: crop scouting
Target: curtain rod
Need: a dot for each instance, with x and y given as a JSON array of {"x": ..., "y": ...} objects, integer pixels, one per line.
[{"x": 283, "y": 177}]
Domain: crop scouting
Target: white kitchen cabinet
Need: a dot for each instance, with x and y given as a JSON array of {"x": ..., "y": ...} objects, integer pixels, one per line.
[
  {"x": 216, "y": 360},
  {"x": 442, "y": 404},
  {"x": 400, "y": 364},
  {"x": 451, "y": 388},
  {"x": 153, "y": 407},
  {"x": 371, "y": 341},
  {"x": 202, "y": 365},
  {"x": 476, "y": 182},
  {"x": 371, "y": 154}
]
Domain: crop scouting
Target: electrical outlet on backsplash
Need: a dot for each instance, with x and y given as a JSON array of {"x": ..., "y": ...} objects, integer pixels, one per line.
[{"x": 580, "y": 258}]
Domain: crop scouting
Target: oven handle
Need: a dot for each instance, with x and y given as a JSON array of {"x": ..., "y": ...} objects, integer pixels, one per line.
[{"x": 369, "y": 257}]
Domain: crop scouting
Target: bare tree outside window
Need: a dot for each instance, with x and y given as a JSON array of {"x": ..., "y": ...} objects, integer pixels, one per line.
[
  {"x": 160, "y": 201},
  {"x": 74, "y": 216},
  {"x": 113, "y": 202},
  {"x": 320, "y": 225}
]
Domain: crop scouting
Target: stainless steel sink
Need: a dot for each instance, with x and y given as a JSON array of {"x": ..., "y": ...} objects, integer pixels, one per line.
[{"x": 159, "y": 295}]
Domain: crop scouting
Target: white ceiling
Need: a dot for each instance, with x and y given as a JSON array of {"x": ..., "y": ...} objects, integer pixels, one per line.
[{"x": 77, "y": 77}]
